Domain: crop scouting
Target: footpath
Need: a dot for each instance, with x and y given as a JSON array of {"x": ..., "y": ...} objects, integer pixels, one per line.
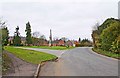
[{"x": 21, "y": 67}]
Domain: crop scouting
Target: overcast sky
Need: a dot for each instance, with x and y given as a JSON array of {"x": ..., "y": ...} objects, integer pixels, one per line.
[{"x": 66, "y": 18}]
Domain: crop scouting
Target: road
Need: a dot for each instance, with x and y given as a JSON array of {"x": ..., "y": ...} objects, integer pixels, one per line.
[
  {"x": 81, "y": 62},
  {"x": 57, "y": 53}
]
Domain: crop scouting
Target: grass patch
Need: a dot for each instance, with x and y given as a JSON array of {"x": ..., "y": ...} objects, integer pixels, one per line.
[
  {"x": 31, "y": 56},
  {"x": 52, "y": 48},
  {"x": 106, "y": 53}
]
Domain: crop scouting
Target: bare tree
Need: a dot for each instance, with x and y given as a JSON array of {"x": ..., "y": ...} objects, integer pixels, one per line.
[
  {"x": 36, "y": 34},
  {"x": 55, "y": 38},
  {"x": 64, "y": 39},
  {"x": 42, "y": 37},
  {"x": 3, "y": 24},
  {"x": 95, "y": 27}
]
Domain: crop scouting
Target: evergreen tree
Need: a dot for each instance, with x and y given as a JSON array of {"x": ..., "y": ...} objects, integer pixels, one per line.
[
  {"x": 79, "y": 40},
  {"x": 17, "y": 39},
  {"x": 28, "y": 34}
]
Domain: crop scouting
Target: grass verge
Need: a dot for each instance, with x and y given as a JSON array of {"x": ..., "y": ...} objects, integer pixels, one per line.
[
  {"x": 106, "y": 53},
  {"x": 6, "y": 63},
  {"x": 52, "y": 48},
  {"x": 31, "y": 56}
]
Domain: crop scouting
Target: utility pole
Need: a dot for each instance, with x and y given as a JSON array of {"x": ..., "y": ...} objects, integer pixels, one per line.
[{"x": 50, "y": 38}]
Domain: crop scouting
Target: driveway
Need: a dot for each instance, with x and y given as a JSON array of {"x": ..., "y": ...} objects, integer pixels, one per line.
[{"x": 81, "y": 62}]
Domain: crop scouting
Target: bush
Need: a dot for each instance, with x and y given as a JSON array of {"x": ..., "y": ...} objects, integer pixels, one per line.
[
  {"x": 109, "y": 35},
  {"x": 77, "y": 45},
  {"x": 115, "y": 47}
]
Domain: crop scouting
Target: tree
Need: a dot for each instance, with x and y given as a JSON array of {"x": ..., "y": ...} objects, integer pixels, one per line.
[
  {"x": 38, "y": 39},
  {"x": 17, "y": 39},
  {"x": 64, "y": 39},
  {"x": 109, "y": 35},
  {"x": 36, "y": 34},
  {"x": 106, "y": 24},
  {"x": 95, "y": 27},
  {"x": 95, "y": 35},
  {"x": 96, "y": 38},
  {"x": 35, "y": 38},
  {"x": 42, "y": 39},
  {"x": 28, "y": 34},
  {"x": 4, "y": 33},
  {"x": 55, "y": 38},
  {"x": 86, "y": 42},
  {"x": 79, "y": 40}
]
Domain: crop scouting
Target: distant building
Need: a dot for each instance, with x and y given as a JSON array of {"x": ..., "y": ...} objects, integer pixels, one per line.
[
  {"x": 37, "y": 42},
  {"x": 76, "y": 42},
  {"x": 58, "y": 43},
  {"x": 10, "y": 40},
  {"x": 43, "y": 42},
  {"x": 23, "y": 40},
  {"x": 55, "y": 42},
  {"x": 61, "y": 43},
  {"x": 69, "y": 43}
]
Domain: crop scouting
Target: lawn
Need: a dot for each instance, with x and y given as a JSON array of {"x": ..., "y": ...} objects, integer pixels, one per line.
[
  {"x": 31, "y": 56},
  {"x": 106, "y": 53},
  {"x": 52, "y": 48}
]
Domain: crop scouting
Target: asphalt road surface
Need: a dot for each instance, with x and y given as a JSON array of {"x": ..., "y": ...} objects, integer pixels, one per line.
[
  {"x": 57, "y": 53},
  {"x": 81, "y": 62}
]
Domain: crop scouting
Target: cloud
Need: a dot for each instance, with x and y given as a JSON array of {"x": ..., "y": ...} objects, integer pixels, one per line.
[
  {"x": 59, "y": 1},
  {"x": 72, "y": 19}
]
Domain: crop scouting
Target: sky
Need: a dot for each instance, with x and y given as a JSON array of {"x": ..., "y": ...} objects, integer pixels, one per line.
[{"x": 66, "y": 18}]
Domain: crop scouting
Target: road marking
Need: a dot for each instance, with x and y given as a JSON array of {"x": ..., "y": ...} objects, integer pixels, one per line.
[{"x": 61, "y": 53}]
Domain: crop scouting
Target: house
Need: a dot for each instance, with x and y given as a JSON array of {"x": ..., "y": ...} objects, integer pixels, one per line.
[
  {"x": 76, "y": 43},
  {"x": 69, "y": 43},
  {"x": 23, "y": 40},
  {"x": 58, "y": 42},
  {"x": 61, "y": 43},
  {"x": 43, "y": 42},
  {"x": 10, "y": 40},
  {"x": 39, "y": 42},
  {"x": 55, "y": 42}
]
